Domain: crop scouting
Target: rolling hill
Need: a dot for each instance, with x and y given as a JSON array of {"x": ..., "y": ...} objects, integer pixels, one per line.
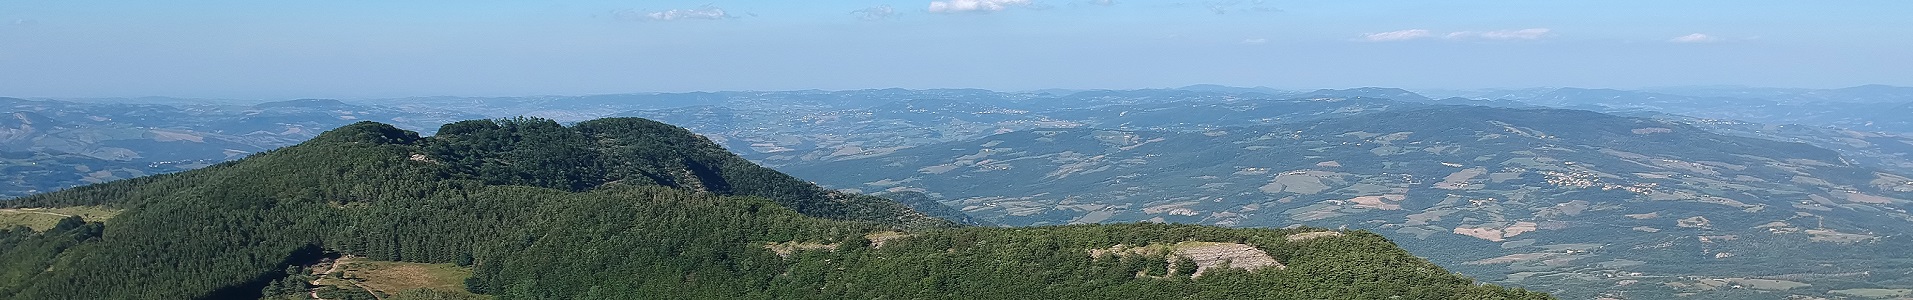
[
  {"x": 54, "y": 144},
  {"x": 629, "y": 208}
]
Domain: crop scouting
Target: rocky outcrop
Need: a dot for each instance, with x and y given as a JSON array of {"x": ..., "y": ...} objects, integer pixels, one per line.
[{"x": 1218, "y": 255}]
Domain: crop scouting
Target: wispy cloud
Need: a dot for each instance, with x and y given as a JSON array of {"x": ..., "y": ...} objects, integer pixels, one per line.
[
  {"x": 875, "y": 13},
  {"x": 1255, "y": 41},
  {"x": 1101, "y": 2},
  {"x": 1413, "y": 34},
  {"x": 980, "y": 6},
  {"x": 1224, "y": 7},
  {"x": 1398, "y": 35},
  {"x": 1695, "y": 38},
  {"x": 1519, "y": 34},
  {"x": 706, "y": 12}
]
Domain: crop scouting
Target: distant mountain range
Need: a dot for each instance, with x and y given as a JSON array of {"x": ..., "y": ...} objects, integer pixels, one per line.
[{"x": 1867, "y": 108}]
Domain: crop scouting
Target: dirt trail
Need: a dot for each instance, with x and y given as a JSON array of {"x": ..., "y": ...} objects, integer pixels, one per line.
[
  {"x": 314, "y": 291},
  {"x": 335, "y": 268},
  {"x": 368, "y": 290},
  {"x": 375, "y": 295}
]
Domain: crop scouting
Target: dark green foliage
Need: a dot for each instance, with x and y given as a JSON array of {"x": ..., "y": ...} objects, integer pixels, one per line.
[
  {"x": 1183, "y": 266},
  {"x": 24, "y": 253},
  {"x": 239, "y": 230},
  {"x": 633, "y": 151},
  {"x": 335, "y": 292},
  {"x": 295, "y": 284}
]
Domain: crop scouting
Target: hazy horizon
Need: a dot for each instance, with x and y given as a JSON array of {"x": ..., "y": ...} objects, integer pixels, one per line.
[
  {"x": 1429, "y": 92},
  {"x": 374, "y": 49}
]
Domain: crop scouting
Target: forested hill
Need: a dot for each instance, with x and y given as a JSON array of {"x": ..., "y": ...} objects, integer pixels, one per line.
[
  {"x": 634, "y": 151},
  {"x": 633, "y": 209}
]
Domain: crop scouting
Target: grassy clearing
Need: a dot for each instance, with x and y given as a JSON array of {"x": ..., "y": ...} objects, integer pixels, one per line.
[
  {"x": 394, "y": 278},
  {"x": 39, "y": 222},
  {"x": 40, "y": 219},
  {"x": 1768, "y": 284}
]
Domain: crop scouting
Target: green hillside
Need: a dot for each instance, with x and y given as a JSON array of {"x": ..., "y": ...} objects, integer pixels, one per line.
[{"x": 634, "y": 209}]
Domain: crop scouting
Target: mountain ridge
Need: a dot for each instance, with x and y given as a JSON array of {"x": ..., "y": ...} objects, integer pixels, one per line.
[{"x": 241, "y": 228}]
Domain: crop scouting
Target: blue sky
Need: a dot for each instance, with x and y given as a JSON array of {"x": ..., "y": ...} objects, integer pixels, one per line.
[{"x": 356, "y": 49}]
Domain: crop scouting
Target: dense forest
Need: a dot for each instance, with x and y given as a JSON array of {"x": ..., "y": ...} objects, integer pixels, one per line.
[{"x": 627, "y": 209}]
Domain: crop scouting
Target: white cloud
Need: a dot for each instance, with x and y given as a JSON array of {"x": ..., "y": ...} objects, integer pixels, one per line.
[
  {"x": 1398, "y": 35},
  {"x": 1255, "y": 41},
  {"x": 1522, "y": 34},
  {"x": 1102, "y": 2},
  {"x": 875, "y": 13},
  {"x": 961, "y": 6},
  {"x": 706, "y": 12},
  {"x": 1223, "y": 7},
  {"x": 1512, "y": 34},
  {"x": 1695, "y": 38}
]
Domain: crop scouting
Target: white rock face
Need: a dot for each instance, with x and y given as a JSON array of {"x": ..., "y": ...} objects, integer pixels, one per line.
[{"x": 1240, "y": 256}]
